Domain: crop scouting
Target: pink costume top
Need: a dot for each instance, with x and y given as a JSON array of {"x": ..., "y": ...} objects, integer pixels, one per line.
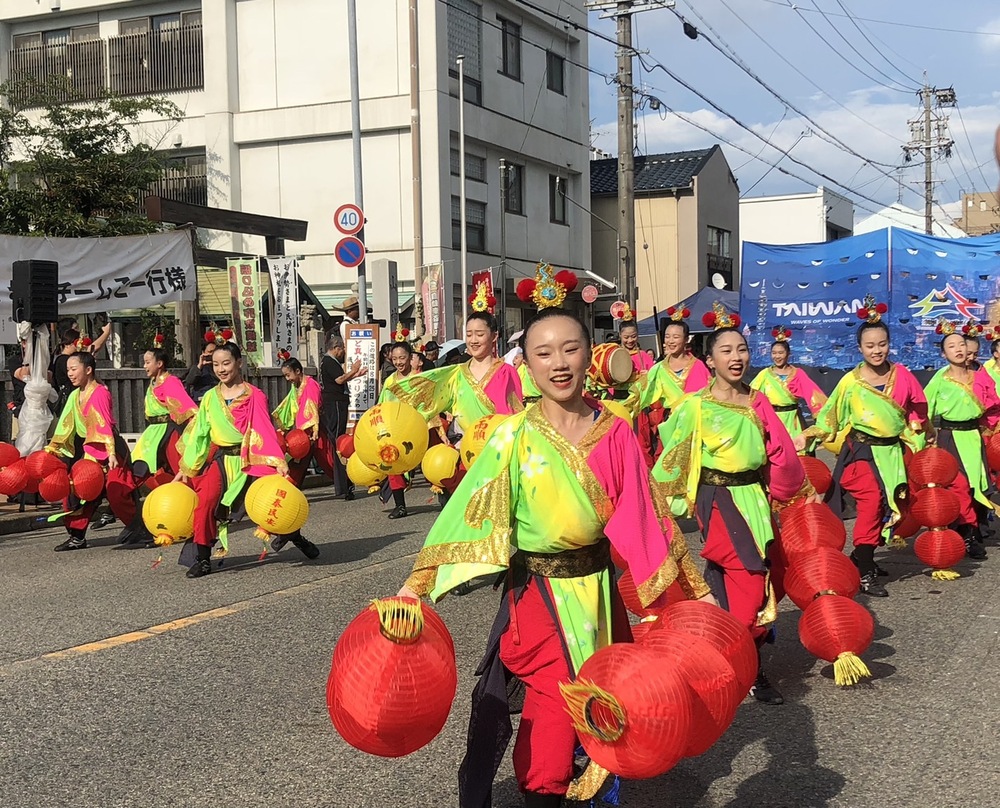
[
  {"x": 300, "y": 409},
  {"x": 88, "y": 414},
  {"x": 985, "y": 389},
  {"x": 641, "y": 361}
]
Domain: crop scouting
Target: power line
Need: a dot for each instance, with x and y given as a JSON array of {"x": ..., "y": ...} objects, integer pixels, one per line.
[
  {"x": 891, "y": 49},
  {"x": 874, "y": 47},
  {"x": 735, "y": 59},
  {"x": 798, "y": 10},
  {"x": 934, "y": 28}
]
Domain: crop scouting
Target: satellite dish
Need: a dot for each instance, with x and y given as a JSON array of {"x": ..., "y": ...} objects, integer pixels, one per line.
[{"x": 718, "y": 281}]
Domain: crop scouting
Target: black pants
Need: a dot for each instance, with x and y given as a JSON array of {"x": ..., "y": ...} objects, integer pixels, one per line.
[{"x": 333, "y": 419}]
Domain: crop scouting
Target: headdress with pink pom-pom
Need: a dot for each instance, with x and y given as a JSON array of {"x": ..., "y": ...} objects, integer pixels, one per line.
[
  {"x": 678, "y": 315},
  {"x": 220, "y": 336},
  {"x": 720, "y": 317},
  {"x": 781, "y": 334},
  {"x": 872, "y": 310},
  {"x": 973, "y": 328}
]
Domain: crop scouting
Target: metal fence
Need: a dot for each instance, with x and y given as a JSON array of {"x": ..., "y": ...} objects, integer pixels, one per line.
[
  {"x": 128, "y": 392},
  {"x": 83, "y": 65}
]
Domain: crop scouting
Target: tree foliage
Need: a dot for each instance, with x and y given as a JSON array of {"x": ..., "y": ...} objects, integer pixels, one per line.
[{"x": 73, "y": 167}]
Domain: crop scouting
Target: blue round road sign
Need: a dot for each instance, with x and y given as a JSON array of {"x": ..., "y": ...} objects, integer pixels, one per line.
[{"x": 350, "y": 252}]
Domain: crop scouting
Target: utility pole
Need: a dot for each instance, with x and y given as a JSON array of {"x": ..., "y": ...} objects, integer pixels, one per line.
[
  {"x": 929, "y": 134},
  {"x": 502, "y": 295},
  {"x": 359, "y": 195},
  {"x": 622, "y": 11}
]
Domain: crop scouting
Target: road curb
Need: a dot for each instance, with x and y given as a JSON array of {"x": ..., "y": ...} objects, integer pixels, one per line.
[{"x": 13, "y": 525}]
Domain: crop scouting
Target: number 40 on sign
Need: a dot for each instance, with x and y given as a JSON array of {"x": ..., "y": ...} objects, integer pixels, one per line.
[{"x": 349, "y": 219}]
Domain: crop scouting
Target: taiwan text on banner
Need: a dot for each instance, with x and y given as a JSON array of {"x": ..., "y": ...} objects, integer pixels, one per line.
[
  {"x": 362, "y": 346},
  {"x": 284, "y": 274},
  {"x": 814, "y": 290},
  {"x": 244, "y": 286}
]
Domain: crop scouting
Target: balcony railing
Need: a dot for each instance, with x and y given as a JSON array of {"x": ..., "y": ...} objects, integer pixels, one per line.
[
  {"x": 132, "y": 64},
  {"x": 157, "y": 61},
  {"x": 189, "y": 188}
]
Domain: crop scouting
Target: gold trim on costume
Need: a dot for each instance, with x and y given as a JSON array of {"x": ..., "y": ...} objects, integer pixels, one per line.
[
  {"x": 657, "y": 583},
  {"x": 689, "y": 577}
]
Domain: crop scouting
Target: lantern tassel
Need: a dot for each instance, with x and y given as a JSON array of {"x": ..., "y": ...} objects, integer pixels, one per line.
[
  {"x": 945, "y": 575},
  {"x": 849, "y": 669},
  {"x": 896, "y": 542},
  {"x": 612, "y": 797},
  {"x": 159, "y": 560},
  {"x": 586, "y": 786}
]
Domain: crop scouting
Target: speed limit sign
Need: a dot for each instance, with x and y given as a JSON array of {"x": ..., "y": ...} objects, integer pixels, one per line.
[{"x": 349, "y": 219}]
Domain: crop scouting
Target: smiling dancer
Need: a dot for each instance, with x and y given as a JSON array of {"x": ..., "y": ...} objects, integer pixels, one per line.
[
  {"x": 725, "y": 454},
  {"x": 879, "y": 405},
  {"x": 552, "y": 487},
  {"x": 785, "y": 385}
]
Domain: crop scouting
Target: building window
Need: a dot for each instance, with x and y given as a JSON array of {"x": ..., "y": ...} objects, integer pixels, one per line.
[
  {"x": 76, "y": 55},
  {"x": 475, "y": 224},
  {"x": 185, "y": 179},
  {"x": 718, "y": 242},
  {"x": 510, "y": 48},
  {"x": 157, "y": 54},
  {"x": 515, "y": 189},
  {"x": 465, "y": 37},
  {"x": 555, "y": 72},
  {"x": 475, "y": 166},
  {"x": 557, "y": 200}
]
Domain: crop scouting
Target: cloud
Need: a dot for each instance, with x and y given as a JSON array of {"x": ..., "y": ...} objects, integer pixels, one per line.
[{"x": 988, "y": 39}]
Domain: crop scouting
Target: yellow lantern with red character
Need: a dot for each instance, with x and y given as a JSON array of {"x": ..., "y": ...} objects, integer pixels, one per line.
[{"x": 275, "y": 505}]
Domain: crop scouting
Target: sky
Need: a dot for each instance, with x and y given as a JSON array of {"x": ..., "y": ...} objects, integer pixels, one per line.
[{"x": 854, "y": 77}]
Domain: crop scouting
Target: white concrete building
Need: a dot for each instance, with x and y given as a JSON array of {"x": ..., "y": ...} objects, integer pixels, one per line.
[
  {"x": 812, "y": 218},
  {"x": 264, "y": 88},
  {"x": 905, "y": 218}
]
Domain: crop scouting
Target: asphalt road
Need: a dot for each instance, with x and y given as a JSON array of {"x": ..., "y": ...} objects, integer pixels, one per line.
[{"x": 126, "y": 686}]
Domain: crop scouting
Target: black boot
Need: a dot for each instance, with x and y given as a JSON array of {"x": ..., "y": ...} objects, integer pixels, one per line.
[
  {"x": 399, "y": 498},
  {"x": 864, "y": 557},
  {"x": 533, "y": 800},
  {"x": 136, "y": 534},
  {"x": 879, "y": 570},
  {"x": 309, "y": 550},
  {"x": 77, "y": 541},
  {"x": 762, "y": 689},
  {"x": 203, "y": 566},
  {"x": 974, "y": 546}
]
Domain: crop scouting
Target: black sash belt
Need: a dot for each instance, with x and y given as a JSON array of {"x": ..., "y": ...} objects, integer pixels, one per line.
[
  {"x": 785, "y": 407},
  {"x": 960, "y": 426},
  {"x": 567, "y": 564},
  {"x": 725, "y": 479},
  {"x": 871, "y": 440},
  {"x": 158, "y": 419},
  {"x": 228, "y": 451}
]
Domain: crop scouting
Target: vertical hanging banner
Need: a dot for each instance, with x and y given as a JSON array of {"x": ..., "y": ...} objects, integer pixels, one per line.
[
  {"x": 430, "y": 284},
  {"x": 284, "y": 277},
  {"x": 362, "y": 346},
  {"x": 814, "y": 290},
  {"x": 484, "y": 276},
  {"x": 244, "y": 285},
  {"x": 932, "y": 278}
]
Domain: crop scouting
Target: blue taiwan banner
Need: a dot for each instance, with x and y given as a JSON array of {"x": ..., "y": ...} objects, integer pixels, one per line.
[
  {"x": 932, "y": 278},
  {"x": 814, "y": 290}
]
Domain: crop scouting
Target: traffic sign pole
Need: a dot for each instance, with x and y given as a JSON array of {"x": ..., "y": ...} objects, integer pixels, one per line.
[{"x": 359, "y": 196}]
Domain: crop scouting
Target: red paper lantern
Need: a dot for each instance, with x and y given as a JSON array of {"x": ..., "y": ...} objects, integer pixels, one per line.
[
  {"x": 839, "y": 630},
  {"x": 298, "y": 444},
  {"x": 630, "y": 595},
  {"x": 393, "y": 678},
  {"x": 823, "y": 570},
  {"x": 633, "y": 714},
  {"x": 13, "y": 479},
  {"x": 726, "y": 634},
  {"x": 818, "y": 473},
  {"x": 940, "y": 549},
  {"x": 41, "y": 464},
  {"x": 709, "y": 674},
  {"x": 935, "y": 507},
  {"x": 907, "y": 526},
  {"x": 8, "y": 454},
  {"x": 55, "y": 487},
  {"x": 641, "y": 629},
  {"x": 932, "y": 466},
  {"x": 87, "y": 477},
  {"x": 808, "y": 525},
  {"x": 993, "y": 452},
  {"x": 282, "y": 446},
  {"x": 345, "y": 446}
]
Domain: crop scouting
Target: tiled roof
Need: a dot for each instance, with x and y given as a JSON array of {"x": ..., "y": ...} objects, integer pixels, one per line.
[{"x": 653, "y": 172}]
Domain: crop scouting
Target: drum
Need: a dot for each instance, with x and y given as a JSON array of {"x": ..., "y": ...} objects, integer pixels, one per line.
[{"x": 610, "y": 365}]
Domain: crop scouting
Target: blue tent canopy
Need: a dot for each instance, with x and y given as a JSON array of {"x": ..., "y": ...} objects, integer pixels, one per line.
[{"x": 699, "y": 303}]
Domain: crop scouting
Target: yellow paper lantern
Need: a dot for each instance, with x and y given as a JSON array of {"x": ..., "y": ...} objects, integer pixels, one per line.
[
  {"x": 168, "y": 513},
  {"x": 618, "y": 409},
  {"x": 361, "y": 475},
  {"x": 439, "y": 464},
  {"x": 476, "y": 438},
  {"x": 275, "y": 505},
  {"x": 391, "y": 438}
]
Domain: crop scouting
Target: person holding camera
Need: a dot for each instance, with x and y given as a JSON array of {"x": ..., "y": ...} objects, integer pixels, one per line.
[{"x": 201, "y": 378}]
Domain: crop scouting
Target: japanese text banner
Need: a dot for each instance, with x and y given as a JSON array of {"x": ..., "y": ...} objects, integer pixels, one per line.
[
  {"x": 284, "y": 276},
  {"x": 108, "y": 274}
]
